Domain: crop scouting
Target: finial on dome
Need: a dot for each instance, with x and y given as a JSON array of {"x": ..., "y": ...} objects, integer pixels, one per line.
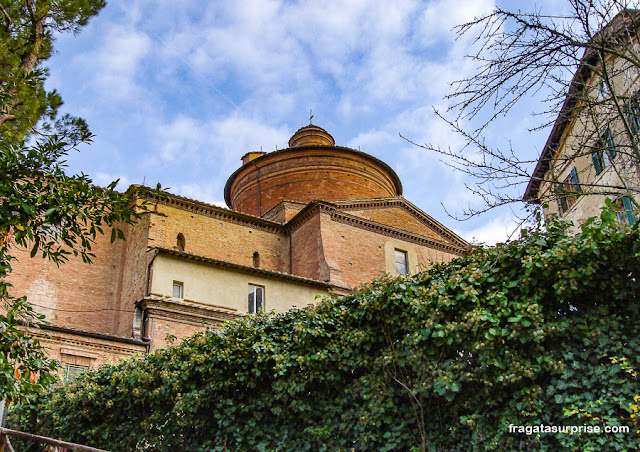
[{"x": 311, "y": 135}]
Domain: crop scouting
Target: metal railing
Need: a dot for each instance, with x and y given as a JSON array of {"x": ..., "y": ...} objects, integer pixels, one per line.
[{"x": 5, "y": 444}]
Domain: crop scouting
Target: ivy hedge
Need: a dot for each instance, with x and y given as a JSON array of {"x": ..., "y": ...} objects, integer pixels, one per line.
[{"x": 543, "y": 331}]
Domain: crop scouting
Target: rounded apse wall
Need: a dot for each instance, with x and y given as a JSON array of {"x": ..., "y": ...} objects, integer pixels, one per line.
[{"x": 312, "y": 168}]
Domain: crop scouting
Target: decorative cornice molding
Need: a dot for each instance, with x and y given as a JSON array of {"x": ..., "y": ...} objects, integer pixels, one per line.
[
  {"x": 195, "y": 313},
  {"x": 389, "y": 231},
  {"x": 459, "y": 246},
  {"x": 48, "y": 332},
  {"x": 202, "y": 208},
  {"x": 408, "y": 207}
]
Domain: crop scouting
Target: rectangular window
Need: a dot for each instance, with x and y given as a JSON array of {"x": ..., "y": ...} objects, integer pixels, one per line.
[
  {"x": 256, "y": 298},
  {"x": 633, "y": 114},
  {"x": 137, "y": 322},
  {"x": 604, "y": 151},
  {"x": 597, "y": 160},
  {"x": 627, "y": 214},
  {"x": 71, "y": 372},
  {"x": 609, "y": 144},
  {"x": 575, "y": 182},
  {"x": 568, "y": 191},
  {"x": 402, "y": 266},
  {"x": 178, "y": 289},
  {"x": 563, "y": 206}
]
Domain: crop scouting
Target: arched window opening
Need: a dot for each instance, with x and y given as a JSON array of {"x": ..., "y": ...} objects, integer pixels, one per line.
[
  {"x": 180, "y": 242},
  {"x": 256, "y": 259}
]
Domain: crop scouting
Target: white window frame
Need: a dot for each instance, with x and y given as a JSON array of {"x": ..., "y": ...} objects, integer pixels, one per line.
[
  {"x": 404, "y": 256},
  {"x": 255, "y": 298},
  {"x": 72, "y": 371},
  {"x": 179, "y": 285}
]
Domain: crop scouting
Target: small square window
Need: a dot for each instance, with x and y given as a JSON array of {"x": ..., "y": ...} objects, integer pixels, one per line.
[
  {"x": 72, "y": 371},
  {"x": 402, "y": 267},
  {"x": 256, "y": 298},
  {"x": 178, "y": 289}
]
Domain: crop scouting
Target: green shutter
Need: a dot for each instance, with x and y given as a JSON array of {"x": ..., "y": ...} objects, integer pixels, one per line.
[
  {"x": 628, "y": 210},
  {"x": 597, "y": 161},
  {"x": 574, "y": 181},
  {"x": 611, "y": 146},
  {"x": 633, "y": 116},
  {"x": 562, "y": 204}
]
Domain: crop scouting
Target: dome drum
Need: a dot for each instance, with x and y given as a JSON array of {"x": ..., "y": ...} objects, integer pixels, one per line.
[{"x": 308, "y": 173}]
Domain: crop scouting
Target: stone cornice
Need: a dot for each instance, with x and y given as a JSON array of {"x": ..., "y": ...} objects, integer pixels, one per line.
[
  {"x": 114, "y": 343},
  {"x": 202, "y": 208},
  {"x": 191, "y": 312},
  {"x": 410, "y": 208},
  {"x": 460, "y": 247}
]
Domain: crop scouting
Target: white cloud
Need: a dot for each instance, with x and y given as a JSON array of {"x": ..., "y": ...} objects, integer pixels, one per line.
[
  {"x": 116, "y": 64},
  {"x": 499, "y": 229},
  {"x": 441, "y": 16},
  {"x": 103, "y": 179},
  {"x": 183, "y": 92},
  {"x": 213, "y": 144},
  {"x": 205, "y": 192}
]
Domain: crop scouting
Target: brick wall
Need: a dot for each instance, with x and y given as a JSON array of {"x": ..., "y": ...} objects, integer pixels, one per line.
[
  {"x": 220, "y": 238},
  {"x": 165, "y": 331},
  {"x": 398, "y": 218},
  {"x": 132, "y": 284},
  {"x": 75, "y": 295},
  {"x": 307, "y": 253},
  {"x": 357, "y": 256},
  {"x": 284, "y": 211}
]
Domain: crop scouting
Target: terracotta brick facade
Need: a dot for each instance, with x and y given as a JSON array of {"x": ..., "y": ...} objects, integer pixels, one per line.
[
  {"x": 333, "y": 218},
  {"x": 74, "y": 295},
  {"x": 306, "y": 174}
]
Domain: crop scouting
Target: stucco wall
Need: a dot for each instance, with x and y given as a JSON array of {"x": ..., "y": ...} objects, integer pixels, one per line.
[{"x": 217, "y": 286}]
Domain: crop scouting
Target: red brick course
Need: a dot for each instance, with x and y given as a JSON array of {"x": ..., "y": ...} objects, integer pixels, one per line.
[{"x": 305, "y": 174}]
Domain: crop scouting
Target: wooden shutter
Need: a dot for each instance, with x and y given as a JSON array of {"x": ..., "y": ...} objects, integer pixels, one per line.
[{"x": 628, "y": 210}]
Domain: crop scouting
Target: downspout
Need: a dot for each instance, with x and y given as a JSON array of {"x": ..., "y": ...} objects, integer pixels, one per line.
[{"x": 290, "y": 253}]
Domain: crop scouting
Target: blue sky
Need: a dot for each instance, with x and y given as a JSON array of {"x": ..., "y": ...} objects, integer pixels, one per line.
[{"x": 177, "y": 92}]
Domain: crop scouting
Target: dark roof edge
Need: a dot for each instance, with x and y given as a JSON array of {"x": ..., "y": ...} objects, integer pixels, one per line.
[{"x": 564, "y": 117}]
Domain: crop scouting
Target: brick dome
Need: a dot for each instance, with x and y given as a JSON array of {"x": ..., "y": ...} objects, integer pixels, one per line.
[
  {"x": 311, "y": 168},
  {"x": 310, "y": 135}
]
